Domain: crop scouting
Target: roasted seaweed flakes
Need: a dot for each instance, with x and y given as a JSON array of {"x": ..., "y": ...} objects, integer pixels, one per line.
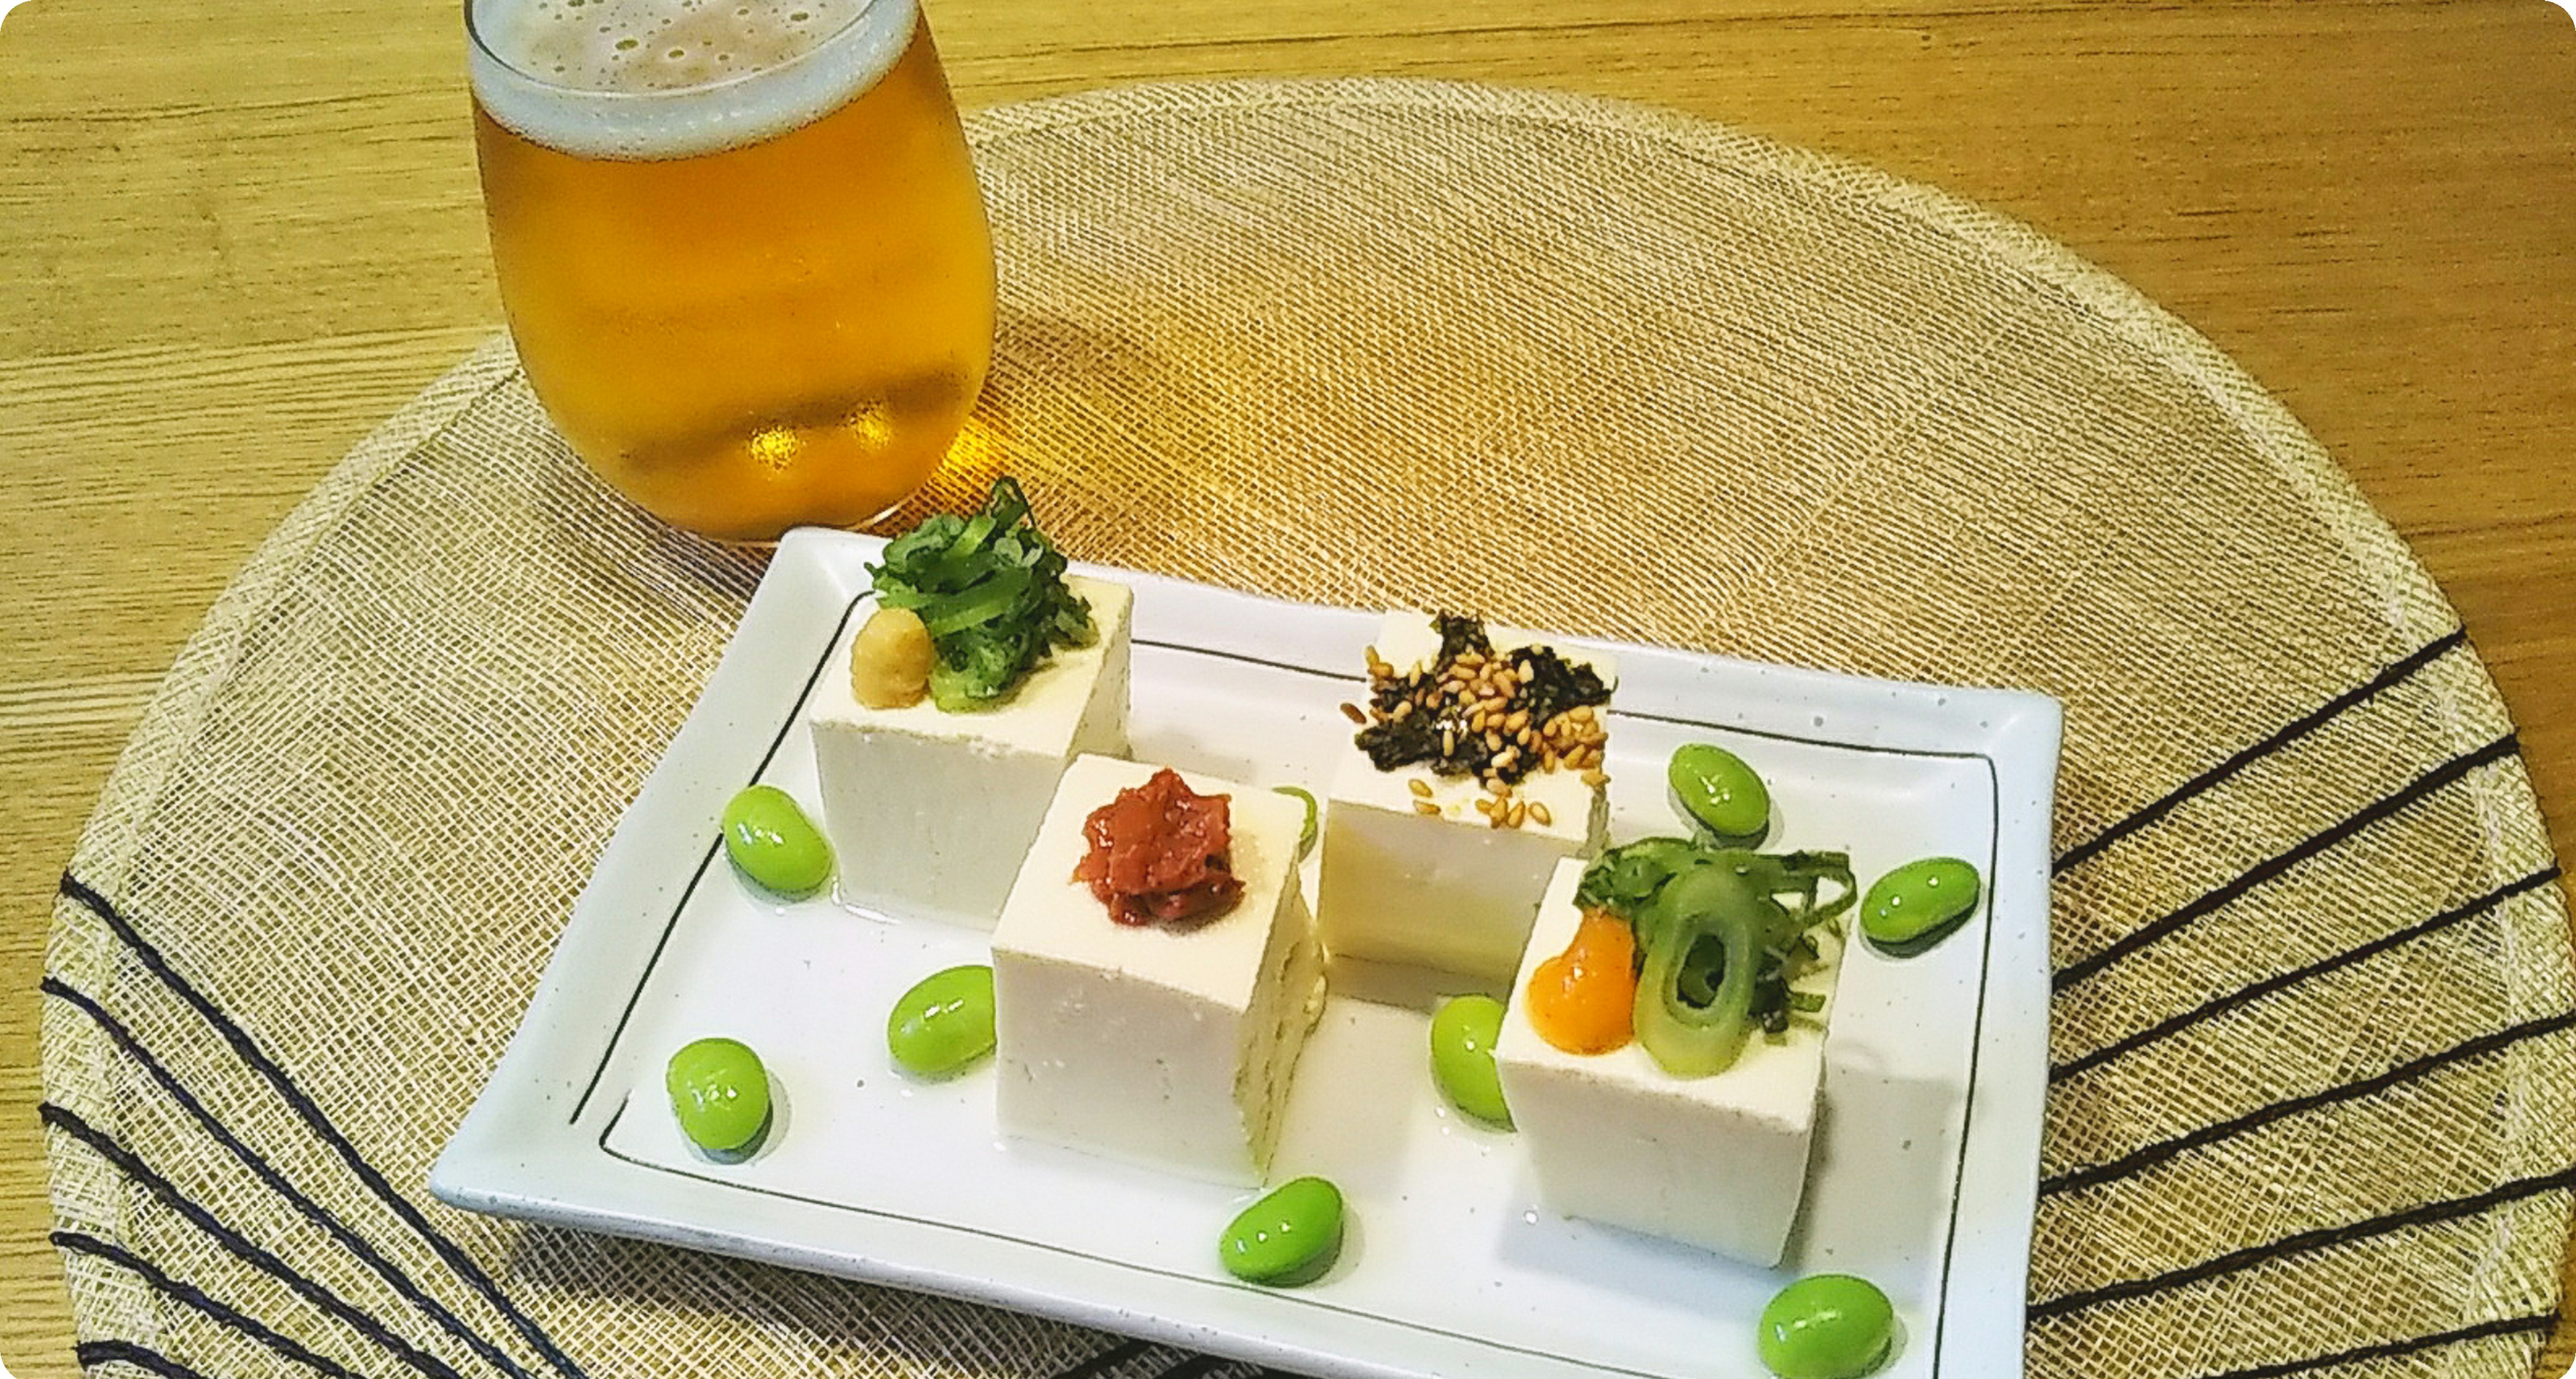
[
  {"x": 1550, "y": 684},
  {"x": 1437, "y": 729},
  {"x": 1394, "y": 743},
  {"x": 1460, "y": 632}
]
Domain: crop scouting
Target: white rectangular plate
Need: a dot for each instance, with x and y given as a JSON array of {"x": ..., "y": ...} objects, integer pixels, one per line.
[{"x": 1926, "y": 1162}]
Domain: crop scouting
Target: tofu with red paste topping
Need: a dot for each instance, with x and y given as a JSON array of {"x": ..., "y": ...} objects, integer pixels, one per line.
[{"x": 1165, "y": 1042}]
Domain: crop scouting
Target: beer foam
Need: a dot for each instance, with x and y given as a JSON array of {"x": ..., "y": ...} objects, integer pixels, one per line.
[{"x": 649, "y": 79}]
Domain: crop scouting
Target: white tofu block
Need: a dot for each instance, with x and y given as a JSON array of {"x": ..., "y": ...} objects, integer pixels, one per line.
[
  {"x": 1718, "y": 1162},
  {"x": 1164, "y": 1046},
  {"x": 1448, "y": 892},
  {"x": 930, "y": 812}
]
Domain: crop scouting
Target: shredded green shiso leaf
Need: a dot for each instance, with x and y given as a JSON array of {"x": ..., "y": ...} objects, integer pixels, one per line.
[
  {"x": 990, "y": 589},
  {"x": 1722, "y": 933}
]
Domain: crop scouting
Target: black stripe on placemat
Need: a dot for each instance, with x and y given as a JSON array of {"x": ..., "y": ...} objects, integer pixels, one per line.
[
  {"x": 305, "y": 1206},
  {"x": 1185, "y": 1366},
  {"x": 2270, "y": 985},
  {"x": 275, "y": 1075},
  {"x": 2153, "y": 1154},
  {"x": 92, "y": 1354},
  {"x": 77, "y": 1242},
  {"x": 2429, "y": 1214},
  {"x": 65, "y": 1119},
  {"x": 2389, "y": 1350},
  {"x": 1106, "y": 1360},
  {"x": 2279, "y": 863},
  {"x": 2288, "y": 733}
]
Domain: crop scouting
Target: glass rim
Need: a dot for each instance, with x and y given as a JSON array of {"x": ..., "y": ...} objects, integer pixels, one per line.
[{"x": 815, "y": 52}]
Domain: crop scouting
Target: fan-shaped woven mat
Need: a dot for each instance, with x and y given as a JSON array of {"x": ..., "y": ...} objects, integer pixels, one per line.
[{"x": 1573, "y": 364}]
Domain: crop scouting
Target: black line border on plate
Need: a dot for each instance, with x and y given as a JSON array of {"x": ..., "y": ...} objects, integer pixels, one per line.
[
  {"x": 1976, "y": 1042},
  {"x": 707, "y": 863},
  {"x": 1767, "y": 735}
]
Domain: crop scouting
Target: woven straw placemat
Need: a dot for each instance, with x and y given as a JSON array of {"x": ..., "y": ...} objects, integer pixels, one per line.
[{"x": 1568, "y": 363}]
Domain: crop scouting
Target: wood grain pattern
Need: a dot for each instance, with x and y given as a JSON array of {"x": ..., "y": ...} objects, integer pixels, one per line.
[{"x": 236, "y": 237}]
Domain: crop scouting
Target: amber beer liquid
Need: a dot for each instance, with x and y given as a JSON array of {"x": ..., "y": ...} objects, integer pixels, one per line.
[{"x": 740, "y": 245}]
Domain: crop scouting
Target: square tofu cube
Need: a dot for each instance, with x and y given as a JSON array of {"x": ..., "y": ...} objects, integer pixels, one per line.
[
  {"x": 1446, "y": 891},
  {"x": 1166, "y": 1046},
  {"x": 930, "y": 812},
  {"x": 1718, "y": 1162}
]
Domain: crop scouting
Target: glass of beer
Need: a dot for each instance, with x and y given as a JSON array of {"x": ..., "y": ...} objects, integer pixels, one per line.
[{"x": 740, "y": 246}]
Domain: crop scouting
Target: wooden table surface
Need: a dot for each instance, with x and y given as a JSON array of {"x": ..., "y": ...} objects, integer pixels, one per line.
[{"x": 234, "y": 237}]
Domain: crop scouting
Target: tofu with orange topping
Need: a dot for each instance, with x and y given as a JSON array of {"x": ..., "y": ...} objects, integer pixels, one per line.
[{"x": 1719, "y": 1161}]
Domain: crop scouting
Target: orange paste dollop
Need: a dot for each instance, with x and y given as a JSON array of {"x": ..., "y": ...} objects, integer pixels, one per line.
[{"x": 1583, "y": 1000}]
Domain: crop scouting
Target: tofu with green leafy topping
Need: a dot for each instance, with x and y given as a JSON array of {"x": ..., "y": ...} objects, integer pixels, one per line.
[{"x": 931, "y": 812}]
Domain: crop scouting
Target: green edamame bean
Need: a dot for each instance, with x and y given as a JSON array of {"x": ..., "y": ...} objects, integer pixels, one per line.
[
  {"x": 1287, "y": 1237},
  {"x": 1306, "y": 832},
  {"x": 1919, "y": 902},
  {"x": 1827, "y": 1326},
  {"x": 1723, "y": 794},
  {"x": 720, "y": 1093},
  {"x": 943, "y": 1023},
  {"x": 774, "y": 844},
  {"x": 1463, "y": 1033}
]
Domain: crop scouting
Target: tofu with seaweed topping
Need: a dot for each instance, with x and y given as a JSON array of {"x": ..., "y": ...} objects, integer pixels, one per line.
[
  {"x": 1160, "y": 1027},
  {"x": 1478, "y": 769},
  {"x": 932, "y": 791}
]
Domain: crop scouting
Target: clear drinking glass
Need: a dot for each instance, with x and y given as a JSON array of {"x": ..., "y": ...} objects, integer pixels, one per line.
[{"x": 740, "y": 245}]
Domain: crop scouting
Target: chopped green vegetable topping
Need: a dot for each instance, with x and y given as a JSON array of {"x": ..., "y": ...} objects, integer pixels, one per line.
[
  {"x": 1624, "y": 878},
  {"x": 990, "y": 589},
  {"x": 1722, "y": 934},
  {"x": 1305, "y": 832}
]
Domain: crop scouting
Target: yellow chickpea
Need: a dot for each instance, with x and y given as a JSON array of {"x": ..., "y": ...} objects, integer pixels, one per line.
[{"x": 890, "y": 660}]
